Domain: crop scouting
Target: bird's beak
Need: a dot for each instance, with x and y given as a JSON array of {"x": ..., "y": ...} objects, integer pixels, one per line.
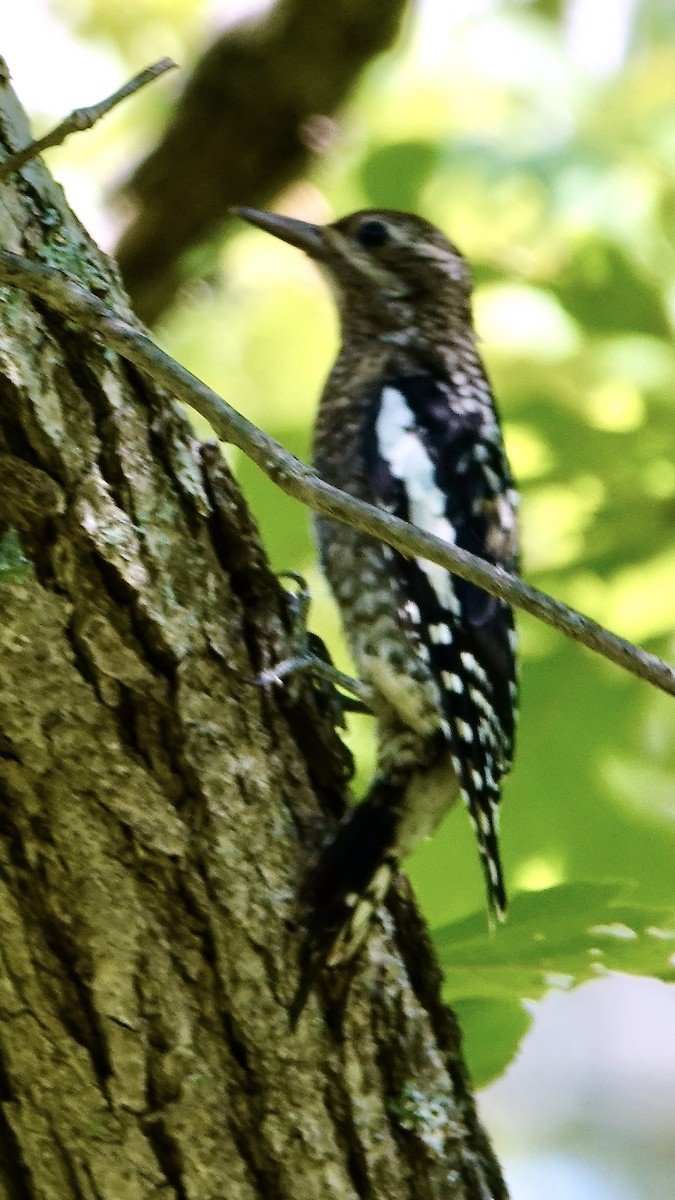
[{"x": 297, "y": 233}]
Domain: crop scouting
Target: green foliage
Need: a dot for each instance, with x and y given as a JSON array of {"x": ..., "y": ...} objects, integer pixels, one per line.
[
  {"x": 605, "y": 291},
  {"x": 558, "y": 937},
  {"x": 394, "y": 175}
]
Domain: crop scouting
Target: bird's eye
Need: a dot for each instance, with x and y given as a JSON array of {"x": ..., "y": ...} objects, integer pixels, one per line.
[{"x": 372, "y": 234}]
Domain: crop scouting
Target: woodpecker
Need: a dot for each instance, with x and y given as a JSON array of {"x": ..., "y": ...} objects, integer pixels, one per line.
[{"x": 407, "y": 422}]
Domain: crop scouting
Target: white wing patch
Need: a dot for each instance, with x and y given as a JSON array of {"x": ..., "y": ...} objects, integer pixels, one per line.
[{"x": 402, "y": 449}]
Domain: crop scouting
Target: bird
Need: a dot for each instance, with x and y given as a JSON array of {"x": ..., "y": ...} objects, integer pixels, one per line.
[{"x": 407, "y": 421}]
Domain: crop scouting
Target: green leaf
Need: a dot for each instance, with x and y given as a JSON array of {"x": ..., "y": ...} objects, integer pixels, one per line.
[
  {"x": 558, "y": 937},
  {"x": 492, "y": 1031},
  {"x": 555, "y": 938},
  {"x": 605, "y": 292}
]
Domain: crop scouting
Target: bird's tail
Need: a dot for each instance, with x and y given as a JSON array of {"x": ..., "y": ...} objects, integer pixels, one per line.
[{"x": 348, "y": 882}]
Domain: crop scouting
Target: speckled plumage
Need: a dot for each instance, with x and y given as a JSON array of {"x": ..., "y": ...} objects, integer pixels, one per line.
[{"x": 407, "y": 422}]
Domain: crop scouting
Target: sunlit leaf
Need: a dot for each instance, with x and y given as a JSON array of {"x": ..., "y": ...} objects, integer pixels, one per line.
[
  {"x": 555, "y": 938},
  {"x": 558, "y": 937}
]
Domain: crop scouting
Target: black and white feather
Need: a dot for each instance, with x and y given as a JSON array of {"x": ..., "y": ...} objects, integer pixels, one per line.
[
  {"x": 407, "y": 421},
  {"x": 435, "y": 458}
]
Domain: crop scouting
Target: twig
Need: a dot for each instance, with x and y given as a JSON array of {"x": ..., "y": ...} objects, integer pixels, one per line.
[
  {"x": 320, "y": 670},
  {"x": 64, "y": 294},
  {"x": 83, "y": 118}
]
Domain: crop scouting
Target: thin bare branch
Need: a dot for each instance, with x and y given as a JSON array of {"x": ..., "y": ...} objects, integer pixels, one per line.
[
  {"x": 67, "y": 296},
  {"x": 83, "y": 118}
]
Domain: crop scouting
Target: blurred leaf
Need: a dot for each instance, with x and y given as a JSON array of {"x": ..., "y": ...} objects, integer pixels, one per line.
[
  {"x": 393, "y": 175},
  {"x": 492, "y": 1032},
  {"x": 602, "y": 289}
]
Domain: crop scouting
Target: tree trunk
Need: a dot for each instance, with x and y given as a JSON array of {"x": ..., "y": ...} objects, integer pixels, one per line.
[{"x": 157, "y": 813}]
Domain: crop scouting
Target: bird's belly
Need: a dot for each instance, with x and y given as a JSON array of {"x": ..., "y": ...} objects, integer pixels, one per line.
[{"x": 387, "y": 655}]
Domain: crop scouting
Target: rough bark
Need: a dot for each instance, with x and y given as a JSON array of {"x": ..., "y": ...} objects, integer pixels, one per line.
[
  {"x": 253, "y": 111},
  {"x": 157, "y": 813}
]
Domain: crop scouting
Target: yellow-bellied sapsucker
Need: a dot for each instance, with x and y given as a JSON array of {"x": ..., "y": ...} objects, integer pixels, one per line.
[{"x": 407, "y": 422}]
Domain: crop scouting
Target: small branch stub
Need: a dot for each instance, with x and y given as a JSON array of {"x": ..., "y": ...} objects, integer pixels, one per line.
[{"x": 83, "y": 118}]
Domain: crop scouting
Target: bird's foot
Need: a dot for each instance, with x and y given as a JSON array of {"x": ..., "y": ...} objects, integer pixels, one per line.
[{"x": 309, "y": 656}]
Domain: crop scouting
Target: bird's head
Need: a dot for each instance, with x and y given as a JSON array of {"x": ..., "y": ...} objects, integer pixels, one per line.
[{"x": 390, "y": 271}]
